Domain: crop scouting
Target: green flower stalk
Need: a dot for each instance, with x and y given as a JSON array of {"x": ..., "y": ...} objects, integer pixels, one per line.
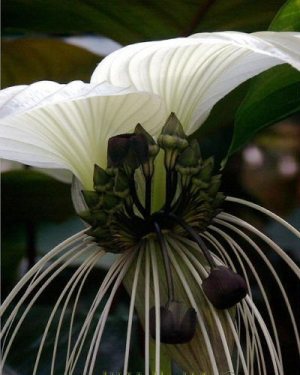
[{"x": 146, "y": 194}]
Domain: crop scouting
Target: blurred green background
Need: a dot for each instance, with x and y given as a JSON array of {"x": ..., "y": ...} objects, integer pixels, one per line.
[{"x": 64, "y": 41}]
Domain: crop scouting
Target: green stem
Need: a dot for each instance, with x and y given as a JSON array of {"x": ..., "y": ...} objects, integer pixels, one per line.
[{"x": 135, "y": 197}]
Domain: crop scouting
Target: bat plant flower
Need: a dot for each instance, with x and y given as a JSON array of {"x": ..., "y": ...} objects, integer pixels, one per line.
[{"x": 146, "y": 194}]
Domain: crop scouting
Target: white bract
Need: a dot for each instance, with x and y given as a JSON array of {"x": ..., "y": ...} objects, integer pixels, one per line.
[
  {"x": 51, "y": 125},
  {"x": 193, "y": 74}
]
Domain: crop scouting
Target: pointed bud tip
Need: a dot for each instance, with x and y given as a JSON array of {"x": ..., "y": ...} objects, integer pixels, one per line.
[{"x": 172, "y": 135}]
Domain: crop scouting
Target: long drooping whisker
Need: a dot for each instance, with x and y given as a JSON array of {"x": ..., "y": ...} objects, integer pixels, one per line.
[
  {"x": 35, "y": 275},
  {"x": 78, "y": 237},
  {"x": 147, "y": 310},
  {"x": 200, "y": 319},
  {"x": 111, "y": 275},
  {"x": 266, "y": 212},
  {"x": 238, "y": 250},
  {"x": 249, "y": 343},
  {"x": 226, "y": 258},
  {"x": 96, "y": 340},
  {"x": 253, "y": 344},
  {"x": 131, "y": 308},
  {"x": 72, "y": 283},
  {"x": 86, "y": 272},
  {"x": 199, "y": 273},
  {"x": 152, "y": 249},
  {"x": 233, "y": 219},
  {"x": 37, "y": 279},
  {"x": 278, "y": 250},
  {"x": 74, "y": 311},
  {"x": 271, "y": 348},
  {"x": 79, "y": 250}
]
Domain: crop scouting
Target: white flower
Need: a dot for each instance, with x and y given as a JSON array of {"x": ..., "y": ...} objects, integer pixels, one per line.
[{"x": 165, "y": 223}]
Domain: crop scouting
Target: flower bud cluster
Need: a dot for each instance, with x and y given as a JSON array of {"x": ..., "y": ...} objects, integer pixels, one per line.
[{"x": 119, "y": 217}]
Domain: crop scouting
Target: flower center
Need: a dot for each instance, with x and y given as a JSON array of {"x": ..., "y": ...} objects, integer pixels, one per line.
[
  {"x": 120, "y": 208},
  {"x": 121, "y": 213}
]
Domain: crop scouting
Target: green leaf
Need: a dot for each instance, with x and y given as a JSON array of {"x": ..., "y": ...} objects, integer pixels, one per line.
[
  {"x": 275, "y": 94},
  {"x": 27, "y": 60},
  {"x": 222, "y": 114},
  {"x": 134, "y": 20},
  {"x": 288, "y": 18}
]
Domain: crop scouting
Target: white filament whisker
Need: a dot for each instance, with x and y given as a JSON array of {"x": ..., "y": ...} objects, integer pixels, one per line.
[
  {"x": 73, "y": 281},
  {"x": 270, "y": 267},
  {"x": 191, "y": 263},
  {"x": 236, "y": 248},
  {"x": 147, "y": 310},
  {"x": 199, "y": 314},
  {"x": 106, "y": 283},
  {"x": 96, "y": 340},
  {"x": 266, "y": 212},
  {"x": 38, "y": 293},
  {"x": 131, "y": 308},
  {"x": 94, "y": 259},
  {"x": 155, "y": 277}
]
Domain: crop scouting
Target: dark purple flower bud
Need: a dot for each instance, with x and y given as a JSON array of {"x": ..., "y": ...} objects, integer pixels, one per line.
[
  {"x": 117, "y": 148},
  {"x": 177, "y": 323},
  {"x": 224, "y": 288},
  {"x": 131, "y": 149},
  {"x": 139, "y": 145}
]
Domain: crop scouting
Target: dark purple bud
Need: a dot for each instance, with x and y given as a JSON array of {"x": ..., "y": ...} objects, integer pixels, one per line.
[
  {"x": 118, "y": 148},
  {"x": 139, "y": 145},
  {"x": 177, "y": 323},
  {"x": 224, "y": 288},
  {"x": 131, "y": 149}
]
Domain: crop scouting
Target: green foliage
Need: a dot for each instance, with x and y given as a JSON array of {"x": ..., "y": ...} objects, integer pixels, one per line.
[
  {"x": 135, "y": 20},
  {"x": 275, "y": 94},
  {"x": 28, "y": 60},
  {"x": 288, "y": 18}
]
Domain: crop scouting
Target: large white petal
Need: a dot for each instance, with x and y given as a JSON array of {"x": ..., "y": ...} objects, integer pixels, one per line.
[
  {"x": 69, "y": 129},
  {"x": 22, "y": 98},
  {"x": 194, "y": 73}
]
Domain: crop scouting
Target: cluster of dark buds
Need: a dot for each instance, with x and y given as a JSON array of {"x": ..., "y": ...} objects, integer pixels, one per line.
[{"x": 120, "y": 212}]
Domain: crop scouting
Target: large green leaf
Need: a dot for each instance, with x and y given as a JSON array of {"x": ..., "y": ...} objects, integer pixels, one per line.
[
  {"x": 135, "y": 20},
  {"x": 27, "y": 60},
  {"x": 274, "y": 95},
  {"x": 288, "y": 18}
]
